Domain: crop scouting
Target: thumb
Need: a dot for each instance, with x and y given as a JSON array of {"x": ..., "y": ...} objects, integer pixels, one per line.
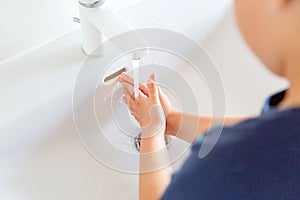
[
  {"x": 153, "y": 92},
  {"x": 153, "y": 77}
]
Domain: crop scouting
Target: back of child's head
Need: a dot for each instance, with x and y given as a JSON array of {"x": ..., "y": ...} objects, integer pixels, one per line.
[{"x": 272, "y": 30}]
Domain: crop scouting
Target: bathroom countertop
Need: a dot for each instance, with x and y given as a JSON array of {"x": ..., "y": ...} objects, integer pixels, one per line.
[{"x": 40, "y": 76}]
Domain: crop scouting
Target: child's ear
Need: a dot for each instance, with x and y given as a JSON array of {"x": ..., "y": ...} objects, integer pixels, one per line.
[
  {"x": 277, "y": 6},
  {"x": 281, "y": 3}
]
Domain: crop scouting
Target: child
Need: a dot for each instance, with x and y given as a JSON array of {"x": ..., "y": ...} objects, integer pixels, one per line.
[{"x": 257, "y": 158}]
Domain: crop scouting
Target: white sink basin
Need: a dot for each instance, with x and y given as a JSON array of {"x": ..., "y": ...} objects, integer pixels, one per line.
[{"x": 104, "y": 123}]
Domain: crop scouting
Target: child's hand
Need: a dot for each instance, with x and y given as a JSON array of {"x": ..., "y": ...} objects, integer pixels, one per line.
[
  {"x": 127, "y": 82},
  {"x": 147, "y": 110}
]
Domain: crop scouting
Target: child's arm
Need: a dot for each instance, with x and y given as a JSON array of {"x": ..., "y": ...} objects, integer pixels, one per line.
[
  {"x": 153, "y": 184},
  {"x": 155, "y": 169},
  {"x": 189, "y": 127},
  {"x": 182, "y": 125}
]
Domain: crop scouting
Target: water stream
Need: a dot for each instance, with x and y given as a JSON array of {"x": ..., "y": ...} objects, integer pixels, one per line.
[{"x": 135, "y": 66}]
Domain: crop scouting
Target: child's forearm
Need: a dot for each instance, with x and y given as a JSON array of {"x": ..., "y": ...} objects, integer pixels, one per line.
[
  {"x": 153, "y": 179},
  {"x": 188, "y": 127}
]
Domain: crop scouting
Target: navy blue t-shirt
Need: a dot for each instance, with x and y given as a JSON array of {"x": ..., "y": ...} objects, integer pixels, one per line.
[{"x": 256, "y": 159}]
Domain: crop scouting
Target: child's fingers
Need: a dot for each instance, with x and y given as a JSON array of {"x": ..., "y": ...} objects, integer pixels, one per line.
[
  {"x": 127, "y": 87},
  {"x": 125, "y": 99},
  {"x": 124, "y": 77},
  {"x": 153, "y": 92},
  {"x": 142, "y": 97},
  {"x": 132, "y": 105},
  {"x": 127, "y": 94},
  {"x": 144, "y": 89},
  {"x": 121, "y": 77},
  {"x": 153, "y": 77},
  {"x": 127, "y": 81}
]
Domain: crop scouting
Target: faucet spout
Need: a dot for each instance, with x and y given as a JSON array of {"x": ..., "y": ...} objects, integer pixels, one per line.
[{"x": 99, "y": 23}]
